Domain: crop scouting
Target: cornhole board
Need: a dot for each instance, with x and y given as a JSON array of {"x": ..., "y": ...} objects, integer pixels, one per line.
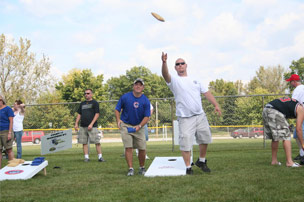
[
  {"x": 23, "y": 171},
  {"x": 166, "y": 166}
]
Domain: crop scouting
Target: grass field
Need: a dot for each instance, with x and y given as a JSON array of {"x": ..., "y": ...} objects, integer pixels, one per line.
[{"x": 241, "y": 171}]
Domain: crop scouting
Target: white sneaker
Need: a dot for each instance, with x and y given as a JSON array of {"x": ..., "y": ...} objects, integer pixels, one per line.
[{"x": 147, "y": 157}]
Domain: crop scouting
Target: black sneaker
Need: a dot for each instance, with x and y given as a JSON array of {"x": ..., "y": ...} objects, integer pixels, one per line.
[
  {"x": 202, "y": 165},
  {"x": 298, "y": 157},
  {"x": 142, "y": 171},
  {"x": 189, "y": 171},
  {"x": 130, "y": 172},
  {"x": 101, "y": 160},
  {"x": 302, "y": 161},
  {"x": 86, "y": 160}
]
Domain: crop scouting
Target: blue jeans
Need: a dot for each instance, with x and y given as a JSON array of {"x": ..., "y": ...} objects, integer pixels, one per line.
[{"x": 18, "y": 137}]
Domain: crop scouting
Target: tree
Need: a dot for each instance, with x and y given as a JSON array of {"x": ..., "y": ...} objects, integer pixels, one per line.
[
  {"x": 22, "y": 76},
  {"x": 155, "y": 86},
  {"x": 270, "y": 79},
  {"x": 296, "y": 67},
  {"x": 228, "y": 105},
  {"x": 48, "y": 116},
  {"x": 74, "y": 84},
  {"x": 77, "y": 81}
]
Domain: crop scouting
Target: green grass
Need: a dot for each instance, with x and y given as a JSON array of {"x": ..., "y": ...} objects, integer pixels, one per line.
[{"x": 241, "y": 171}]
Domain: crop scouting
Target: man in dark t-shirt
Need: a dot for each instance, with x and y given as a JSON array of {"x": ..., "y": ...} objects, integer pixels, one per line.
[
  {"x": 88, "y": 113},
  {"x": 276, "y": 126}
]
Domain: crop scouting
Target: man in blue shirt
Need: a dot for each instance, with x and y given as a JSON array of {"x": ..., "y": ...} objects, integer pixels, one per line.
[
  {"x": 6, "y": 128},
  {"x": 135, "y": 113}
]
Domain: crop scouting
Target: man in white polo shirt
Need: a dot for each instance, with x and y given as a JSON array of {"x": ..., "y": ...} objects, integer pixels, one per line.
[{"x": 192, "y": 119}]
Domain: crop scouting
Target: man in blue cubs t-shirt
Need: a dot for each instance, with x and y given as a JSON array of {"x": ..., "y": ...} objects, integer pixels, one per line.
[{"x": 135, "y": 113}]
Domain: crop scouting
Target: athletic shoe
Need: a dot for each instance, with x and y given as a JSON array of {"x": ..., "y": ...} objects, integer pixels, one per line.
[
  {"x": 147, "y": 157},
  {"x": 142, "y": 171},
  {"x": 130, "y": 172},
  {"x": 298, "y": 157},
  {"x": 101, "y": 159},
  {"x": 202, "y": 165},
  {"x": 86, "y": 160},
  {"x": 189, "y": 171}
]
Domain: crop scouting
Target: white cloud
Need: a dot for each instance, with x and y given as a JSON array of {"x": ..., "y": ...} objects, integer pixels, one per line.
[
  {"x": 283, "y": 22},
  {"x": 90, "y": 58},
  {"x": 85, "y": 38},
  {"x": 264, "y": 3},
  {"x": 50, "y": 7}
]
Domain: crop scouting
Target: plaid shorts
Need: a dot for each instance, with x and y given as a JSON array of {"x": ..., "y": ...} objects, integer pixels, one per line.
[
  {"x": 84, "y": 134},
  {"x": 275, "y": 124}
]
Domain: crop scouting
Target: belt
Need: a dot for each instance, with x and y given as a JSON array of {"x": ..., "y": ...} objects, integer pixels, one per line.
[{"x": 269, "y": 106}]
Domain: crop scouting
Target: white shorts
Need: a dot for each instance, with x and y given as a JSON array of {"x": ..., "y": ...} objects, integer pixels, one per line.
[{"x": 195, "y": 126}]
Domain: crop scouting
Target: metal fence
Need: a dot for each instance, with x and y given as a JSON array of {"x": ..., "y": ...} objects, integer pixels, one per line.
[{"x": 238, "y": 112}]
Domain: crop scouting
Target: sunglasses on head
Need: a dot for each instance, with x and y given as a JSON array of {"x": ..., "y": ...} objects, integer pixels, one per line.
[{"x": 180, "y": 63}]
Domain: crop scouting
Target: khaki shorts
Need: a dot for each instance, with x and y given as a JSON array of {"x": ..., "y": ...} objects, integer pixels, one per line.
[
  {"x": 84, "y": 134},
  {"x": 275, "y": 124},
  {"x": 135, "y": 140},
  {"x": 195, "y": 126},
  {"x": 3, "y": 140}
]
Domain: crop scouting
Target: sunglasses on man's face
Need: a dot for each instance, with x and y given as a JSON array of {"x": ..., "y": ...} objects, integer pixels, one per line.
[
  {"x": 179, "y": 63},
  {"x": 87, "y": 93}
]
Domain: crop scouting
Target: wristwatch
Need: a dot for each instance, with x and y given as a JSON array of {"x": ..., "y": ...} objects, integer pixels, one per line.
[{"x": 139, "y": 126}]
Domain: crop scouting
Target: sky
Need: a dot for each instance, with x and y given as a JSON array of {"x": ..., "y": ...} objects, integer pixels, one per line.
[{"x": 219, "y": 39}]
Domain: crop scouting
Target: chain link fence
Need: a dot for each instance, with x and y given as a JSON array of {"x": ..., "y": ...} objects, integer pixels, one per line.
[{"x": 241, "y": 117}]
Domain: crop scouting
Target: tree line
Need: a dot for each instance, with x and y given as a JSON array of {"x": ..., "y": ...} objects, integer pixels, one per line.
[{"x": 25, "y": 76}]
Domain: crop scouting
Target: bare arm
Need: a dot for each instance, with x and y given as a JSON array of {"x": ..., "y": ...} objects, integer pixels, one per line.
[
  {"x": 76, "y": 122},
  {"x": 165, "y": 71},
  {"x": 299, "y": 121},
  {"x": 117, "y": 116},
  {"x": 22, "y": 109},
  {"x": 96, "y": 116},
  {"x": 213, "y": 101},
  {"x": 142, "y": 123},
  {"x": 10, "y": 128}
]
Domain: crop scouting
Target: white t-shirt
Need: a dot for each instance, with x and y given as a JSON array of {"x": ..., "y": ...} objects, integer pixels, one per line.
[
  {"x": 187, "y": 93},
  {"x": 298, "y": 93},
  {"x": 18, "y": 122}
]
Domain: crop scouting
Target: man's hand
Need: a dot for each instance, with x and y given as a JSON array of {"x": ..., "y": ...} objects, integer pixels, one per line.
[
  {"x": 90, "y": 127},
  {"x": 9, "y": 136},
  {"x": 119, "y": 123},
  {"x": 76, "y": 128},
  {"x": 218, "y": 110},
  {"x": 137, "y": 128},
  {"x": 164, "y": 57}
]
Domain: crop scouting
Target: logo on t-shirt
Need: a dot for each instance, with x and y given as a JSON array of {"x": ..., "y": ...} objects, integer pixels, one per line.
[
  {"x": 195, "y": 82},
  {"x": 136, "y": 104},
  {"x": 87, "y": 106}
]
